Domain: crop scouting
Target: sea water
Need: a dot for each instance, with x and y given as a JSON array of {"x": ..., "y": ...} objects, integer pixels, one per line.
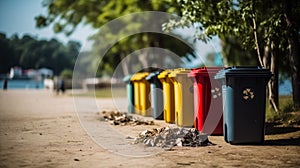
[{"x": 23, "y": 84}]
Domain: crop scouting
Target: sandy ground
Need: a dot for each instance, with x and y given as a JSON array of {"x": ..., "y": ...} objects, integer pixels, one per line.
[{"x": 40, "y": 129}]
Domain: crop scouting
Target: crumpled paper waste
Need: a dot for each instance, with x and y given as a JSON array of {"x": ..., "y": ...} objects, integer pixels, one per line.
[
  {"x": 122, "y": 118},
  {"x": 167, "y": 137}
]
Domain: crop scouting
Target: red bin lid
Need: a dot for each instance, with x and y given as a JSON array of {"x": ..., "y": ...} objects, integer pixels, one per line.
[{"x": 204, "y": 71}]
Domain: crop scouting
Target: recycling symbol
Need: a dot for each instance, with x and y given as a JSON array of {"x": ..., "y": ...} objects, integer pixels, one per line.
[
  {"x": 216, "y": 92},
  {"x": 248, "y": 94}
]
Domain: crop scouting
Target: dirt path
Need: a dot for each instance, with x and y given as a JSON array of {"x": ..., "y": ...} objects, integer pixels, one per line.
[{"x": 39, "y": 129}]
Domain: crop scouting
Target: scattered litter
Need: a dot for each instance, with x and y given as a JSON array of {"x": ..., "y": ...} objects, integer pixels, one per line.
[
  {"x": 184, "y": 164},
  {"x": 121, "y": 118},
  {"x": 167, "y": 137},
  {"x": 129, "y": 137}
]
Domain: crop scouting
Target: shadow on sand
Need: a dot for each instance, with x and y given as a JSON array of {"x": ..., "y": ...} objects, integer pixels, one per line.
[
  {"x": 277, "y": 129},
  {"x": 283, "y": 142}
]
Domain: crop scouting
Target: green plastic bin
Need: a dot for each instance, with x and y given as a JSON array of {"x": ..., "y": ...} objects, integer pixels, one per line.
[{"x": 244, "y": 100}]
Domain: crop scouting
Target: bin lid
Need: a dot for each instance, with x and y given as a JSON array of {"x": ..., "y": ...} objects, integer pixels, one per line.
[
  {"x": 164, "y": 74},
  {"x": 204, "y": 71},
  {"x": 179, "y": 71},
  {"x": 244, "y": 71},
  {"x": 127, "y": 78},
  {"x": 139, "y": 76},
  {"x": 153, "y": 75}
]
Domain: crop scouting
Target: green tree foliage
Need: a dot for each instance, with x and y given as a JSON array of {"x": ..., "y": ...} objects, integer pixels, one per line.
[
  {"x": 28, "y": 52},
  {"x": 270, "y": 27},
  {"x": 8, "y": 56},
  {"x": 66, "y": 74},
  {"x": 235, "y": 54},
  {"x": 66, "y": 15},
  {"x": 134, "y": 43}
]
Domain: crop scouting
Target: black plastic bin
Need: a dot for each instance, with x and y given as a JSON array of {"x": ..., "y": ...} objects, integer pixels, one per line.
[
  {"x": 157, "y": 104},
  {"x": 244, "y": 100}
]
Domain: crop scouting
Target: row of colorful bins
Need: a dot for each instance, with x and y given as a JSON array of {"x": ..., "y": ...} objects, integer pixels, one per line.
[
  {"x": 193, "y": 97},
  {"x": 188, "y": 101},
  {"x": 173, "y": 99},
  {"x": 140, "y": 87}
]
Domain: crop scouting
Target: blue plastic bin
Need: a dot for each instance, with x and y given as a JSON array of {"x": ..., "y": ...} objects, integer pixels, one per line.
[
  {"x": 130, "y": 93},
  {"x": 157, "y": 104}
]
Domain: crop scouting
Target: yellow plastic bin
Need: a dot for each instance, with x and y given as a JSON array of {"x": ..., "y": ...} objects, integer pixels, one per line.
[
  {"x": 168, "y": 92},
  {"x": 141, "y": 94},
  {"x": 184, "y": 97},
  {"x": 136, "y": 91}
]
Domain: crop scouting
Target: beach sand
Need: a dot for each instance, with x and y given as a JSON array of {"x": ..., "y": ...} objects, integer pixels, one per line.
[{"x": 41, "y": 129}]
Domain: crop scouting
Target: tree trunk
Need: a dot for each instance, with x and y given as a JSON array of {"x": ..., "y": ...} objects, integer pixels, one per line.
[
  {"x": 144, "y": 58},
  {"x": 274, "y": 95},
  {"x": 124, "y": 64},
  {"x": 270, "y": 61},
  {"x": 294, "y": 54},
  {"x": 295, "y": 66}
]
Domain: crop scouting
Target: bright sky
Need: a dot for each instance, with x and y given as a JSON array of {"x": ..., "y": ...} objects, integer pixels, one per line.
[{"x": 17, "y": 16}]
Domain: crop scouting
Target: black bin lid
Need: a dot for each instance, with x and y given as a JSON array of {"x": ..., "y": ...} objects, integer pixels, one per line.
[{"x": 244, "y": 71}]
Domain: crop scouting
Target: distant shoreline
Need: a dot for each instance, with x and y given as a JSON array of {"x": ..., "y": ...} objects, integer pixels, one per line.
[
  {"x": 284, "y": 89},
  {"x": 23, "y": 84}
]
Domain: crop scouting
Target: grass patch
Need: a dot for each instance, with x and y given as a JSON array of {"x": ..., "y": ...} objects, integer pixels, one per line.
[
  {"x": 104, "y": 92},
  {"x": 286, "y": 115}
]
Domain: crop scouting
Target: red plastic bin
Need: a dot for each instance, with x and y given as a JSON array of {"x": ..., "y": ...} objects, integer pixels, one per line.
[{"x": 208, "y": 110}]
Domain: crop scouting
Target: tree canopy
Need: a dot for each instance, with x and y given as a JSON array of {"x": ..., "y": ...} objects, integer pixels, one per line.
[
  {"x": 66, "y": 15},
  {"x": 270, "y": 27}
]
